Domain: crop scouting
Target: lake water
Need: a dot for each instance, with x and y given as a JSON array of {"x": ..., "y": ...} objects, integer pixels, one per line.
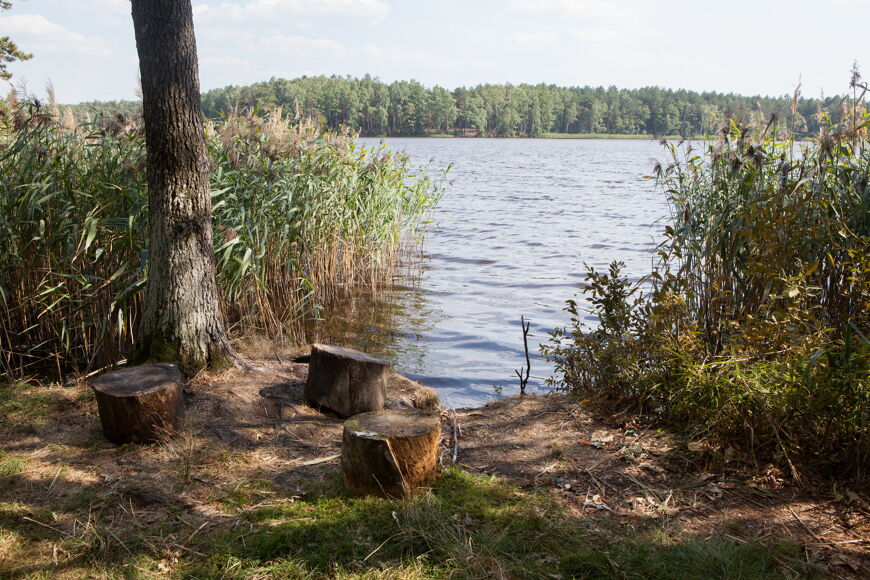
[{"x": 510, "y": 237}]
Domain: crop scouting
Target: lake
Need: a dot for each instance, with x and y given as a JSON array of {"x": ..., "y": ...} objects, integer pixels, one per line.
[{"x": 510, "y": 236}]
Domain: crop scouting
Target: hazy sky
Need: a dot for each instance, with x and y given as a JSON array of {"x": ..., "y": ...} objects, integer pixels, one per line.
[{"x": 86, "y": 47}]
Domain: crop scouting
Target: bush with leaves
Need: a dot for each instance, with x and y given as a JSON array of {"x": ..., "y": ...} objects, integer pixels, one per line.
[{"x": 756, "y": 328}]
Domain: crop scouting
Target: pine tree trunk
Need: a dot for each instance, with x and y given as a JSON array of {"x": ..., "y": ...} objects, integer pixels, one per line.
[{"x": 182, "y": 321}]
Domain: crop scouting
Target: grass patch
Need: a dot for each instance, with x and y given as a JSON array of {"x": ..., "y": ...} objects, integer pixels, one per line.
[
  {"x": 470, "y": 526},
  {"x": 10, "y": 465},
  {"x": 701, "y": 559},
  {"x": 23, "y": 407}
]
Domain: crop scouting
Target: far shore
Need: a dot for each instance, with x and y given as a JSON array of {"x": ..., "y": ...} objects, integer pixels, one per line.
[{"x": 544, "y": 136}]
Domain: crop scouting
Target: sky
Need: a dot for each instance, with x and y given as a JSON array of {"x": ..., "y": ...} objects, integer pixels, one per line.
[{"x": 86, "y": 48}]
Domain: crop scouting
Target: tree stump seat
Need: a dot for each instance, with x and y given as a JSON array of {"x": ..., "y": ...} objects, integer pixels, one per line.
[
  {"x": 391, "y": 453},
  {"x": 345, "y": 381},
  {"x": 141, "y": 404}
]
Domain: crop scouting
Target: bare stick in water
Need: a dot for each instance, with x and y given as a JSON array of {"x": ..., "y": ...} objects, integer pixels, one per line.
[{"x": 524, "y": 380}]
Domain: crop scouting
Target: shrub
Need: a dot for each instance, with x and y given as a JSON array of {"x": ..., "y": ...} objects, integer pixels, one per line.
[{"x": 756, "y": 323}]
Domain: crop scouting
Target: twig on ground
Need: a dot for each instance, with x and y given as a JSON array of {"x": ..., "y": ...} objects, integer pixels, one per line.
[
  {"x": 743, "y": 497},
  {"x": 375, "y": 551},
  {"x": 794, "y": 472},
  {"x": 806, "y": 527},
  {"x": 197, "y": 530},
  {"x": 326, "y": 459},
  {"x": 119, "y": 363}
]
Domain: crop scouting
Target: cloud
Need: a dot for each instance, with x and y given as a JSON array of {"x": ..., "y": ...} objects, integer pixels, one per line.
[
  {"x": 590, "y": 9},
  {"x": 225, "y": 62},
  {"x": 419, "y": 60},
  {"x": 369, "y": 10},
  {"x": 105, "y": 12},
  {"x": 275, "y": 48},
  {"x": 372, "y": 50},
  {"x": 35, "y": 33},
  {"x": 598, "y": 34},
  {"x": 300, "y": 44},
  {"x": 535, "y": 39},
  {"x": 200, "y": 9},
  {"x": 117, "y": 6}
]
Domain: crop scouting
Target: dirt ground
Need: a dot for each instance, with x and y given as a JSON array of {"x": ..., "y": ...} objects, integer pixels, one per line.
[
  {"x": 618, "y": 473},
  {"x": 242, "y": 428}
]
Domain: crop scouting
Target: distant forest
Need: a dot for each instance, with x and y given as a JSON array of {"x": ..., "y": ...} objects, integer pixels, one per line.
[{"x": 408, "y": 108}]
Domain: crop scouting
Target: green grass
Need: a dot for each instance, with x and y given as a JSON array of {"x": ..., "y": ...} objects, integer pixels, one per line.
[
  {"x": 10, "y": 465},
  {"x": 23, "y": 413},
  {"x": 469, "y": 526}
]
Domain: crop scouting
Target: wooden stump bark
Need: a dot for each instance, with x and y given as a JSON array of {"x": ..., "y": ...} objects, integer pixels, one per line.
[
  {"x": 390, "y": 453},
  {"x": 140, "y": 404},
  {"x": 345, "y": 381}
]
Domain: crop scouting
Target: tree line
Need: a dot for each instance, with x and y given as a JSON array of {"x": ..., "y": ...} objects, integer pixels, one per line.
[{"x": 408, "y": 108}]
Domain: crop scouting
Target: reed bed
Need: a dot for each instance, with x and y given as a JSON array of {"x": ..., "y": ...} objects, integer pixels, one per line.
[
  {"x": 301, "y": 218},
  {"x": 755, "y": 332}
]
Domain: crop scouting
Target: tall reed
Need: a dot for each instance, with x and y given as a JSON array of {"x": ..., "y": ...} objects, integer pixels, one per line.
[
  {"x": 72, "y": 224},
  {"x": 760, "y": 224},
  {"x": 306, "y": 214},
  {"x": 299, "y": 215}
]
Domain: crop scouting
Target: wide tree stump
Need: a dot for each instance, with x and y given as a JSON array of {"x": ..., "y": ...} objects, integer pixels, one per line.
[
  {"x": 140, "y": 404},
  {"x": 345, "y": 381},
  {"x": 390, "y": 453}
]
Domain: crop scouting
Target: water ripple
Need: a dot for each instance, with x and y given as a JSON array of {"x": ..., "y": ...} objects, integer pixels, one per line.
[{"x": 511, "y": 236}]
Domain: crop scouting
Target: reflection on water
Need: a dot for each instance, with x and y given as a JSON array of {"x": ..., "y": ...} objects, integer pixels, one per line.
[{"x": 510, "y": 237}]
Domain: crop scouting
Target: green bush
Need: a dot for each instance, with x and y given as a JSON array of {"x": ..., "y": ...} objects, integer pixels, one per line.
[{"x": 755, "y": 328}]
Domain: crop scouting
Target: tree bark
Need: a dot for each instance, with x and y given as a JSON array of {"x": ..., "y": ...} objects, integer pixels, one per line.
[
  {"x": 390, "y": 453},
  {"x": 182, "y": 321}
]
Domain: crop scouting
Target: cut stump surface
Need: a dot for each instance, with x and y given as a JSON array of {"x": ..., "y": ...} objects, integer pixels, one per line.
[
  {"x": 390, "y": 453},
  {"x": 140, "y": 404},
  {"x": 345, "y": 381}
]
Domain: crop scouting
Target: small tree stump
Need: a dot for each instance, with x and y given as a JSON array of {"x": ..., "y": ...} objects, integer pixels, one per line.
[
  {"x": 140, "y": 404},
  {"x": 390, "y": 453},
  {"x": 345, "y": 381}
]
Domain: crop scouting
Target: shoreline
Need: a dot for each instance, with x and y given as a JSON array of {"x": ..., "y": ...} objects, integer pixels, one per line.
[{"x": 546, "y": 136}]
